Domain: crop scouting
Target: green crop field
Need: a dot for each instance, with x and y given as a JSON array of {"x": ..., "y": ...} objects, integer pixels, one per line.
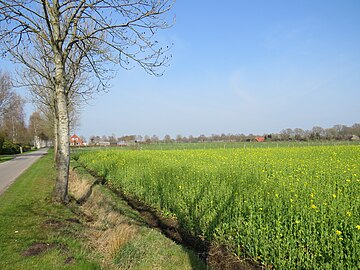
[{"x": 286, "y": 207}]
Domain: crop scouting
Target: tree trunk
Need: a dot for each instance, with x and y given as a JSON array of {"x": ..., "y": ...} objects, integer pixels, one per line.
[
  {"x": 61, "y": 109},
  {"x": 63, "y": 146},
  {"x": 63, "y": 151},
  {"x": 56, "y": 135}
]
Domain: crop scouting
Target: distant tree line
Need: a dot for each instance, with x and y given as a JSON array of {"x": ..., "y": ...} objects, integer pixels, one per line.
[
  {"x": 95, "y": 140},
  {"x": 337, "y": 132}
]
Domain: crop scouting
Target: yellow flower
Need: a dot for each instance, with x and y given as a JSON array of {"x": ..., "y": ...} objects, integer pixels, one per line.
[
  {"x": 338, "y": 232},
  {"x": 313, "y": 206},
  {"x": 357, "y": 227},
  {"x": 348, "y": 213},
  {"x": 334, "y": 196}
]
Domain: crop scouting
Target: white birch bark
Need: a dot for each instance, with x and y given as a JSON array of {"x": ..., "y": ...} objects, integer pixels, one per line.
[{"x": 61, "y": 110}]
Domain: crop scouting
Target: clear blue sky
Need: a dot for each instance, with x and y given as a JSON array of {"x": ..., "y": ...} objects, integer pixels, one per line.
[{"x": 242, "y": 67}]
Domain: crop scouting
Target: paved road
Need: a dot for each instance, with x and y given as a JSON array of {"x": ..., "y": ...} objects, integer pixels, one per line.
[{"x": 10, "y": 170}]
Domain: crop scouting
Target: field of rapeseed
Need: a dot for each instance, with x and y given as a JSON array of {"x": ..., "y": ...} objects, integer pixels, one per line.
[{"x": 289, "y": 208}]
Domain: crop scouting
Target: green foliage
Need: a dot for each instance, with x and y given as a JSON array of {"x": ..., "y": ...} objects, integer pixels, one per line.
[
  {"x": 26, "y": 148},
  {"x": 286, "y": 207},
  {"x": 9, "y": 148}
]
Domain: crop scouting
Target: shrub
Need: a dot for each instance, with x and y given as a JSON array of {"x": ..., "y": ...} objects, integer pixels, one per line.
[{"x": 9, "y": 148}]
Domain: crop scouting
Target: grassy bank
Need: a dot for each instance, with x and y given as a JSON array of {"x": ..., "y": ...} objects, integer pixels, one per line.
[
  {"x": 5, "y": 158},
  {"x": 35, "y": 233},
  {"x": 101, "y": 233}
]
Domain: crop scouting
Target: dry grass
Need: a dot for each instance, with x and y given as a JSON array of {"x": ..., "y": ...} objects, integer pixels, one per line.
[
  {"x": 77, "y": 186},
  {"x": 113, "y": 239},
  {"x": 108, "y": 230}
]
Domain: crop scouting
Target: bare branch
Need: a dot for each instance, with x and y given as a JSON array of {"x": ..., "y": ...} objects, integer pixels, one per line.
[{"x": 68, "y": 49}]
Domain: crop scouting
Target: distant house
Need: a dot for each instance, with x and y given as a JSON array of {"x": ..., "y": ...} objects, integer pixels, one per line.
[
  {"x": 75, "y": 140},
  {"x": 260, "y": 139},
  {"x": 103, "y": 143},
  {"x": 122, "y": 143}
]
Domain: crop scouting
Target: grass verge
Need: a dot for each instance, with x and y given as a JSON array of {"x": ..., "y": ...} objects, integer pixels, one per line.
[
  {"x": 35, "y": 233},
  {"x": 5, "y": 158}
]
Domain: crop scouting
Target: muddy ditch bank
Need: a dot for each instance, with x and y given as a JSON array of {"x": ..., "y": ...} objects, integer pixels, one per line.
[{"x": 215, "y": 255}]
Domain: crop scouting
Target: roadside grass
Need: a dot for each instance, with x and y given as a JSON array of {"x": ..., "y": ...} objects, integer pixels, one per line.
[
  {"x": 5, "y": 158},
  {"x": 35, "y": 233},
  {"x": 103, "y": 232}
]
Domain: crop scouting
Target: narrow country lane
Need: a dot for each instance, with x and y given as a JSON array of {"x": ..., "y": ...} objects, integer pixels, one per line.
[{"x": 12, "y": 169}]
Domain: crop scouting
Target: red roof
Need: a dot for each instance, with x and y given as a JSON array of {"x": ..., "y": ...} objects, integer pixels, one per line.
[
  {"x": 260, "y": 139},
  {"x": 76, "y": 140}
]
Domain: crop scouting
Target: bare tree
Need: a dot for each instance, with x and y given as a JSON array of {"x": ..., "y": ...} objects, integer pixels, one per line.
[
  {"x": 286, "y": 134},
  {"x": 299, "y": 134},
  {"x": 5, "y": 92},
  {"x": 13, "y": 119},
  {"x": 355, "y": 129},
  {"x": 167, "y": 138},
  {"x": 90, "y": 35},
  {"x": 39, "y": 78},
  {"x": 38, "y": 129}
]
